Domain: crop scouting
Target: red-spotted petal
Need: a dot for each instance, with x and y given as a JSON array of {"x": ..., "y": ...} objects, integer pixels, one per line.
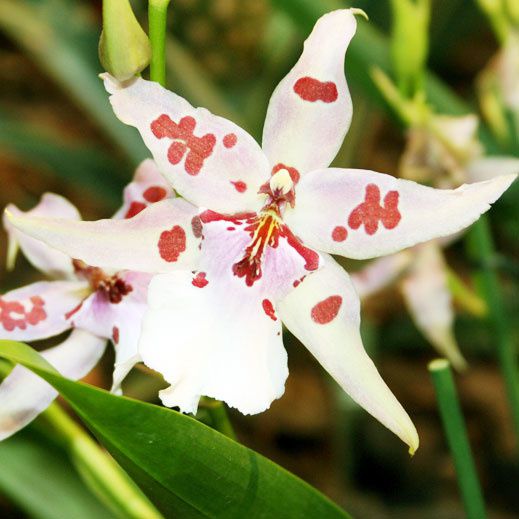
[
  {"x": 158, "y": 239},
  {"x": 39, "y": 311},
  {"x": 382, "y": 214},
  {"x": 209, "y": 160},
  {"x": 323, "y": 312},
  {"x": 310, "y": 110},
  {"x": 147, "y": 187}
]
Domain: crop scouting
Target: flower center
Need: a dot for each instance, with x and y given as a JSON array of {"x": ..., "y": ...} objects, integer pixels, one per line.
[
  {"x": 279, "y": 190},
  {"x": 264, "y": 230},
  {"x": 113, "y": 287}
]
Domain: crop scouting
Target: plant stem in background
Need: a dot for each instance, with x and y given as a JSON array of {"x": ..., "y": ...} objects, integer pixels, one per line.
[
  {"x": 157, "y": 18},
  {"x": 456, "y": 433},
  {"x": 219, "y": 418},
  {"x": 101, "y": 473},
  {"x": 480, "y": 248}
]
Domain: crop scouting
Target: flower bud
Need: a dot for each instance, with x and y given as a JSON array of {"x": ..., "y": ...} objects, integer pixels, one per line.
[{"x": 124, "y": 47}]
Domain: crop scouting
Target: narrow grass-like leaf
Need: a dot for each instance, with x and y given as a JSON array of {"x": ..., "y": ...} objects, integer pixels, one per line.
[{"x": 38, "y": 478}]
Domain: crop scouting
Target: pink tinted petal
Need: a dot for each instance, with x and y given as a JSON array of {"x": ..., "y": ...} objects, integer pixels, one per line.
[
  {"x": 120, "y": 322},
  {"x": 158, "y": 239},
  {"x": 381, "y": 273},
  {"x": 380, "y": 213},
  {"x": 201, "y": 154},
  {"x": 427, "y": 295},
  {"x": 310, "y": 110},
  {"x": 148, "y": 186},
  {"x": 213, "y": 339},
  {"x": 39, "y": 311},
  {"x": 323, "y": 312},
  {"x": 23, "y": 395},
  {"x": 44, "y": 258}
]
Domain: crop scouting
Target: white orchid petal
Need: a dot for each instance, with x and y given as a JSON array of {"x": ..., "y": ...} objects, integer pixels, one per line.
[
  {"x": 24, "y": 395},
  {"x": 361, "y": 214},
  {"x": 487, "y": 168},
  {"x": 209, "y": 160},
  {"x": 212, "y": 340},
  {"x": 119, "y": 321},
  {"x": 310, "y": 110},
  {"x": 39, "y": 310},
  {"x": 323, "y": 312},
  {"x": 147, "y": 187},
  {"x": 427, "y": 295},
  {"x": 380, "y": 273},
  {"x": 44, "y": 258},
  {"x": 158, "y": 239}
]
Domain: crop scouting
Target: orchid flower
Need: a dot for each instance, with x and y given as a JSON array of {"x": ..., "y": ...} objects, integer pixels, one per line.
[
  {"x": 446, "y": 153},
  {"x": 249, "y": 246},
  {"x": 96, "y": 304}
]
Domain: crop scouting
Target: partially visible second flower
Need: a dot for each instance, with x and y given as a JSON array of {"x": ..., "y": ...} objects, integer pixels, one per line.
[{"x": 98, "y": 305}]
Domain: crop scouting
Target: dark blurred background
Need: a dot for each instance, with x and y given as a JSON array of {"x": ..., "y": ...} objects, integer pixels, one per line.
[{"x": 58, "y": 134}]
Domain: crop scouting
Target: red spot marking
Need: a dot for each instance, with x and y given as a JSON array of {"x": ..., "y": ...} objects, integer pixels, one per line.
[
  {"x": 266, "y": 232},
  {"x": 231, "y": 228},
  {"x": 196, "y": 226},
  {"x": 370, "y": 212},
  {"x": 230, "y": 140},
  {"x": 135, "y": 208},
  {"x": 340, "y": 233},
  {"x": 311, "y": 89},
  {"x": 172, "y": 243},
  {"x": 240, "y": 186},
  {"x": 297, "y": 282},
  {"x": 268, "y": 308},
  {"x": 237, "y": 219},
  {"x": 200, "y": 280},
  {"x": 154, "y": 194},
  {"x": 310, "y": 256},
  {"x": 294, "y": 174},
  {"x": 14, "y": 315},
  {"x": 196, "y": 149},
  {"x": 326, "y": 311},
  {"x": 115, "y": 335},
  {"x": 74, "y": 310}
]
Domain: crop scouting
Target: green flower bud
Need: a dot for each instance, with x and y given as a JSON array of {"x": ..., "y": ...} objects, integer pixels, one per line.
[
  {"x": 124, "y": 47},
  {"x": 410, "y": 43}
]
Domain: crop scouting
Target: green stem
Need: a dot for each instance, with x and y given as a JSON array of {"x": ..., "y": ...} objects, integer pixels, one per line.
[
  {"x": 99, "y": 470},
  {"x": 219, "y": 417},
  {"x": 157, "y": 18},
  {"x": 456, "y": 433},
  {"x": 481, "y": 250}
]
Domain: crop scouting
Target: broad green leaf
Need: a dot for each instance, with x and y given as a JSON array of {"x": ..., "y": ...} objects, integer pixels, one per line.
[
  {"x": 38, "y": 478},
  {"x": 61, "y": 36},
  {"x": 185, "y": 468}
]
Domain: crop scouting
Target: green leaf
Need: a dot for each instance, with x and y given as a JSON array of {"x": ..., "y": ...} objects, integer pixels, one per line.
[
  {"x": 185, "y": 468},
  {"x": 37, "y": 476},
  {"x": 79, "y": 164},
  {"x": 61, "y": 36}
]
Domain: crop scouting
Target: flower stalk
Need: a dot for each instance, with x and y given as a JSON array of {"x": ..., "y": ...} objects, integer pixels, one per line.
[
  {"x": 456, "y": 433},
  {"x": 481, "y": 250},
  {"x": 218, "y": 415},
  {"x": 157, "y": 18},
  {"x": 101, "y": 473}
]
